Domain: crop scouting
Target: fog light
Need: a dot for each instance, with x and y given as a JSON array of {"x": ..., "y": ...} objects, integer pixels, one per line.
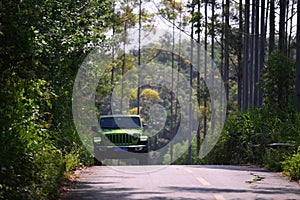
[{"x": 138, "y": 148}]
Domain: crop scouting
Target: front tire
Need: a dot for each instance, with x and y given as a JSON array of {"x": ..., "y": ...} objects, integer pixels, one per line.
[{"x": 97, "y": 162}]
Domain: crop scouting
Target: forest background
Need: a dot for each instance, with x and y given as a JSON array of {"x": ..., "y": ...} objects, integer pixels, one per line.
[{"x": 255, "y": 45}]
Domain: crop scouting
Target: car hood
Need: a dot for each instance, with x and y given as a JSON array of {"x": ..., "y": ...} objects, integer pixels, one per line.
[{"x": 116, "y": 131}]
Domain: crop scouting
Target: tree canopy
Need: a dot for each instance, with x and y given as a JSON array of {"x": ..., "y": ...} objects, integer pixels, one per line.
[{"x": 254, "y": 44}]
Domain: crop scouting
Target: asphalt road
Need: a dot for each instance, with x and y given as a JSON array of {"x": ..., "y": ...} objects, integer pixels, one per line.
[{"x": 181, "y": 182}]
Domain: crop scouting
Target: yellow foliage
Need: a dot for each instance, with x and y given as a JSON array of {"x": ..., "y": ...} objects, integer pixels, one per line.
[
  {"x": 187, "y": 62},
  {"x": 151, "y": 94},
  {"x": 133, "y": 111},
  {"x": 204, "y": 111}
]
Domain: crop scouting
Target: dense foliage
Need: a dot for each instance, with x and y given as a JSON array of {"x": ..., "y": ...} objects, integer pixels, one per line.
[
  {"x": 42, "y": 45},
  {"x": 247, "y": 135}
]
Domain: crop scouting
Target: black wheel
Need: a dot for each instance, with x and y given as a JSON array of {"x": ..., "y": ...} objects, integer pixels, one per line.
[{"x": 97, "y": 162}]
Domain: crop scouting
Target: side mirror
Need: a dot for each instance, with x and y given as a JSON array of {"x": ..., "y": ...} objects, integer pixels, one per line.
[{"x": 95, "y": 128}]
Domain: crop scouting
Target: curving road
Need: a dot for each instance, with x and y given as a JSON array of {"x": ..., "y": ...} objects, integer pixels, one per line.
[{"x": 181, "y": 182}]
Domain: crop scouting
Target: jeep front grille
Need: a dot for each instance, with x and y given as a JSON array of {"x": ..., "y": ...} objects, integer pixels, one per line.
[{"x": 120, "y": 138}]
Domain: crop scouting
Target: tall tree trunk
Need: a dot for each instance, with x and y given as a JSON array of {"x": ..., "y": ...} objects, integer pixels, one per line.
[
  {"x": 289, "y": 52},
  {"x": 256, "y": 53},
  {"x": 297, "y": 88},
  {"x": 212, "y": 66},
  {"x": 251, "y": 55},
  {"x": 272, "y": 27},
  {"x": 190, "y": 161},
  {"x": 286, "y": 25},
  {"x": 282, "y": 49},
  {"x": 240, "y": 53},
  {"x": 205, "y": 69},
  {"x": 262, "y": 44},
  {"x": 112, "y": 79},
  {"x": 198, "y": 83},
  {"x": 282, "y": 34},
  {"x": 172, "y": 89},
  {"x": 226, "y": 64},
  {"x": 246, "y": 56},
  {"x": 139, "y": 57},
  {"x": 123, "y": 64}
]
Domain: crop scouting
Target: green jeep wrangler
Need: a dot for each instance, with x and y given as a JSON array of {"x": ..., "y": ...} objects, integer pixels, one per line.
[{"x": 120, "y": 137}]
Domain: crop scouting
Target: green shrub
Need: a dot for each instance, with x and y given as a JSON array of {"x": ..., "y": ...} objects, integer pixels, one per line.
[
  {"x": 85, "y": 157},
  {"x": 272, "y": 159},
  {"x": 291, "y": 165},
  {"x": 72, "y": 160},
  {"x": 242, "y": 140},
  {"x": 35, "y": 175},
  {"x": 278, "y": 93},
  {"x": 49, "y": 169},
  {"x": 245, "y": 136},
  {"x": 75, "y": 156}
]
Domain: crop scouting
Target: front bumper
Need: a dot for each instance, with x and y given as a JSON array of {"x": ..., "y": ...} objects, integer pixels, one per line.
[{"x": 115, "y": 152}]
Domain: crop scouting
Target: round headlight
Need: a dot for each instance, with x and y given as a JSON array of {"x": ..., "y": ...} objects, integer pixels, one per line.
[{"x": 135, "y": 136}]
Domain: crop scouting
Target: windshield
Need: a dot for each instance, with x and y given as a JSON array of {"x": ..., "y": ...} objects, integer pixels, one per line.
[{"x": 120, "y": 123}]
